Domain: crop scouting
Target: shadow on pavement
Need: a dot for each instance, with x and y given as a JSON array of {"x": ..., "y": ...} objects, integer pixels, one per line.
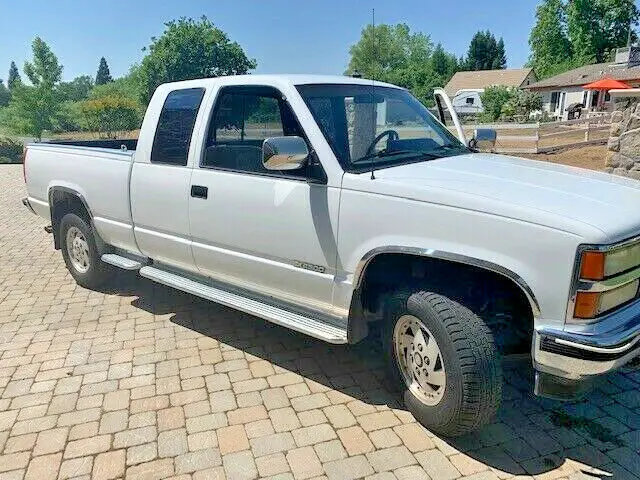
[{"x": 530, "y": 435}]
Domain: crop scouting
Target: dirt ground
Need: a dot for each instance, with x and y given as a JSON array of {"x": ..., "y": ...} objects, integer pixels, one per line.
[{"x": 591, "y": 157}]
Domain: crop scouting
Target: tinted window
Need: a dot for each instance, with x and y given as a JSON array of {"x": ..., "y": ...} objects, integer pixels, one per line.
[
  {"x": 175, "y": 126},
  {"x": 243, "y": 118}
]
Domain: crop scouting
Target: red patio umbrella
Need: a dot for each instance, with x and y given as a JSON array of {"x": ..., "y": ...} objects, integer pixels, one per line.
[{"x": 605, "y": 84}]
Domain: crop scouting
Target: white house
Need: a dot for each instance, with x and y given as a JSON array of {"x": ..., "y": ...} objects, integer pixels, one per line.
[
  {"x": 560, "y": 91},
  {"x": 465, "y": 88}
]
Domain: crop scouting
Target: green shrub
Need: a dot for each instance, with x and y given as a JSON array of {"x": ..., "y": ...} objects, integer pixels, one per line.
[
  {"x": 10, "y": 151},
  {"x": 494, "y": 99},
  {"x": 110, "y": 114}
]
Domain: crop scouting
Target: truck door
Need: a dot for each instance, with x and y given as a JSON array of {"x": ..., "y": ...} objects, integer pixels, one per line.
[
  {"x": 269, "y": 232},
  {"x": 160, "y": 179}
]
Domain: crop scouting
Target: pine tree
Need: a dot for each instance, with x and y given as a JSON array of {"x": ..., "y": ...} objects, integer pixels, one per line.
[
  {"x": 14, "y": 76},
  {"x": 103, "y": 76},
  {"x": 485, "y": 52}
]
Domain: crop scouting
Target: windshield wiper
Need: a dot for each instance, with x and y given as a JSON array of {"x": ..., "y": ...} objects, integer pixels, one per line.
[{"x": 385, "y": 153}]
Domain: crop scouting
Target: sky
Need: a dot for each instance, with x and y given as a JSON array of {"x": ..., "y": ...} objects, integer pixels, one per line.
[{"x": 284, "y": 36}]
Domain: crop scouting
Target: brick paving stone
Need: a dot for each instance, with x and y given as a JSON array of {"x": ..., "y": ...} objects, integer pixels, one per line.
[
  {"x": 339, "y": 416},
  {"x": 304, "y": 463},
  {"x": 355, "y": 440},
  {"x": 134, "y": 436},
  {"x": 259, "y": 428},
  {"x": 271, "y": 465},
  {"x": 172, "y": 443},
  {"x": 284, "y": 419},
  {"x": 413, "y": 472},
  {"x": 467, "y": 465},
  {"x": 437, "y": 465},
  {"x": 390, "y": 458},
  {"x": 329, "y": 451},
  {"x": 376, "y": 421},
  {"x": 154, "y": 470},
  {"x": 51, "y": 441},
  {"x": 246, "y": 415},
  {"x": 45, "y": 467},
  {"x": 274, "y": 398},
  {"x": 384, "y": 438},
  {"x": 240, "y": 465},
  {"x": 312, "y": 417},
  {"x": 268, "y": 444},
  {"x": 348, "y": 468},
  {"x": 142, "y": 453},
  {"x": 414, "y": 437},
  {"x": 198, "y": 460},
  {"x": 75, "y": 467},
  {"x": 112, "y": 422},
  {"x": 315, "y": 434},
  {"x": 109, "y": 465},
  {"x": 170, "y": 418},
  {"x": 232, "y": 439},
  {"x": 20, "y": 443},
  {"x": 223, "y": 401},
  {"x": 202, "y": 440},
  {"x": 88, "y": 446}
]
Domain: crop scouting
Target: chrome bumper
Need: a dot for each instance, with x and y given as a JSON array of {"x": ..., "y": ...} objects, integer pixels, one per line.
[{"x": 586, "y": 351}]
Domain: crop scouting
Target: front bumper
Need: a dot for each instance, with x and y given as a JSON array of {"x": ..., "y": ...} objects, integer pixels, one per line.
[{"x": 578, "y": 355}]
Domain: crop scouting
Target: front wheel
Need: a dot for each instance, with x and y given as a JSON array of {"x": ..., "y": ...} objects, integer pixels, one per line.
[
  {"x": 445, "y": 360},
  {"x": 80, "y": 252}
]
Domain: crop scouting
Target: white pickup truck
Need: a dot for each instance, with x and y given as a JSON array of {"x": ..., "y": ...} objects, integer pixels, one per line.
[{"x": 340, "y": 207}]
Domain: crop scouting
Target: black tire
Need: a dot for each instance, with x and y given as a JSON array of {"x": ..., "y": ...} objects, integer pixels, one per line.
[
  {"x": 97, "y": 272},
  {"x": 473, "y": 369}
]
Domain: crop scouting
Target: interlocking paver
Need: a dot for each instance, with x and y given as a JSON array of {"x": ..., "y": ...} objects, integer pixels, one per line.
[{"x": 119, "y": 380}]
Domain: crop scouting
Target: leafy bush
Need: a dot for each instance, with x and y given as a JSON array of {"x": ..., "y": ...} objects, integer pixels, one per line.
[
  {"x": 110, "y": 114},
  {"x": 10, "y": 151},
  {"x": 69, "y": 119},
  {"x": 494, "y": 99},
  {"x": 527, "y": 102}
]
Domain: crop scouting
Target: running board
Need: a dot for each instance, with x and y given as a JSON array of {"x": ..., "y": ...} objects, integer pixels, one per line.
[
  {"x": 121, "y": 262},
  {"x": 294, "y": 321}
]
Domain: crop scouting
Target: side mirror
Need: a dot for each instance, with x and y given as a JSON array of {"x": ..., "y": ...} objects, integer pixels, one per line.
[
  {"x": 483, "y": 139},
  {"x": 284, "y": 153}
]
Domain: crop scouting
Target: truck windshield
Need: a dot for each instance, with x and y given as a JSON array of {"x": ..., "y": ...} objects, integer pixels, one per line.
[{"x": 377, "y": 126}]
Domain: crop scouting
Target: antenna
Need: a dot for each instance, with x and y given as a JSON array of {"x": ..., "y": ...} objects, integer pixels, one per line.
[{"x": 373, "y": 86}]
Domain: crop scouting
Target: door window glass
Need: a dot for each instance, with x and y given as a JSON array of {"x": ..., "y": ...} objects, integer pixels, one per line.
[
  {"x": 242, "y": 119},
  {"x": 175, "y": 126}
]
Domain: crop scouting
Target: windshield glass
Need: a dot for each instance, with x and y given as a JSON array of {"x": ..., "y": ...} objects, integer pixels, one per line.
[{"x": 377, "y": 126}]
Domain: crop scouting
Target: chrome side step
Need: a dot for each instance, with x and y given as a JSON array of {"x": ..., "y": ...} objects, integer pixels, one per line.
[
  {"x": 285, "y": 318},
  {"x": 121, "y": 262}
]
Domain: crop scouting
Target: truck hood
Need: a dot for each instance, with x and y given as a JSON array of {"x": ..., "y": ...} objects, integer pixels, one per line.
[{"x": 596, "y": 206}]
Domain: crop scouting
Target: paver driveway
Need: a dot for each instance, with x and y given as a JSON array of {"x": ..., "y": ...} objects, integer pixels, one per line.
[{"x": 140, "y": 381}]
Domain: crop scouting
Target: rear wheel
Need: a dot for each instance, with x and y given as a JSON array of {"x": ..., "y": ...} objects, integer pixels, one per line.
[
  {"x": 445, "y": 360},
  {"x": 80, "y": 252}
]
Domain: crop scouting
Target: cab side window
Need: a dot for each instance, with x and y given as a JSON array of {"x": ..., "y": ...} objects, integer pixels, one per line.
[
  {"x": 242, "y": 119},
  {"x": 175, "y": 126}
]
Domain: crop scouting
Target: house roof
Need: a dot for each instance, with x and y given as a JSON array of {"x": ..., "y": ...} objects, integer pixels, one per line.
[
  {"x": 589, "y": 73},
  {"x": 513, "y": 77}
]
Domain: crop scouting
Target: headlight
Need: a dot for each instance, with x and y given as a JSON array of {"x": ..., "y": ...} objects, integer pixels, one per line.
[
  {"x": 608, "y": 277},
  {"x": 593, "y": 304},
  {"x": 600, "y": 265}
]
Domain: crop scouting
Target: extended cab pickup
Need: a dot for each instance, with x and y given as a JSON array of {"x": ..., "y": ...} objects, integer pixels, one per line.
[{"x": 339, "y": 207}]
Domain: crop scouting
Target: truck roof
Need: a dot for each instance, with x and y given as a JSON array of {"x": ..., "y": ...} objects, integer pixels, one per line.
[{"x": 277, "y": 79}]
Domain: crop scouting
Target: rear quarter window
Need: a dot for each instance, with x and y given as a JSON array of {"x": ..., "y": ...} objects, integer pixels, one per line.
[{"x": 175, "y": 126}]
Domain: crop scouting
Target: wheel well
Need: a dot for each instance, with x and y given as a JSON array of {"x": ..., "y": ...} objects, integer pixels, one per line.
[
  {"x": 62, "y": 202},
  {"x": 497, "y": 299}
]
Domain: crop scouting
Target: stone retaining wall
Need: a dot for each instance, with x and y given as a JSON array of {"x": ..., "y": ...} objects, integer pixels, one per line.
[{"x": 623, "y": 157}]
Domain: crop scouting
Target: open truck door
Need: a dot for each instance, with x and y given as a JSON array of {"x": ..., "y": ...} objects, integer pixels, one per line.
[{"x": 483, "y": 138}]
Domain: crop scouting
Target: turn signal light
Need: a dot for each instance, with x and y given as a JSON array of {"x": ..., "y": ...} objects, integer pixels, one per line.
[
  {"x": 586, "y": 305},
  {"x": 592, "y": 266}
]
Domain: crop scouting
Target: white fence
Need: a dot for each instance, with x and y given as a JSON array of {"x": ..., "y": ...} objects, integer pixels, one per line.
[{"x": 547, "y": 137}]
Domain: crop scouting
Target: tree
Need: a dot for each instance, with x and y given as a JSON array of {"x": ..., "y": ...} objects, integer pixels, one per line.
[
  {"x": 548, "y": 40},
  {"x": 111, "y": 114},
  {"x": 34, "y": 108},
  {"x": 597, "y": 27},
  {"x": 527, "y": 102},
  {"x": 485, "y": 52},
  {"x": 190, "y": 49},
  {"x": 14, "y": 76},
  {"x": 392, "y": 53},
  {"x": 494, "y": 99},
  {"x": 103, "y": 76},
  {"x": 77, "y": 89},
  {"x": 5, "y": 94}
]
